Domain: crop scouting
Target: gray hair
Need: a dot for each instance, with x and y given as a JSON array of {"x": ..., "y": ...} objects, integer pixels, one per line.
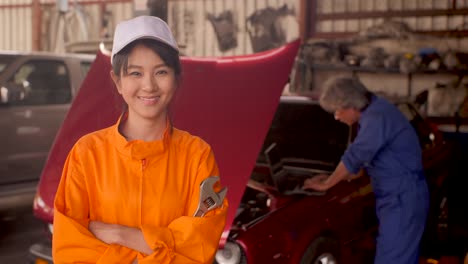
[{"x": 344, "y": 93}]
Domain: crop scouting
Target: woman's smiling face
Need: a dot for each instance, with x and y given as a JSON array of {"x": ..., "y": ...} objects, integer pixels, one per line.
[{"x": 148, "y": 85}]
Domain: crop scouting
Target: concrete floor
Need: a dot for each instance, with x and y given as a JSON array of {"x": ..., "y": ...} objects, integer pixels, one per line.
[{"x": 17, "y": 233}]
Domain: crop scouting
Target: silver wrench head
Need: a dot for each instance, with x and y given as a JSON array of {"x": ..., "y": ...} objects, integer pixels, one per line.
[
  {"x": 215, "y": 200},
  {"x": 207, "y": 192},
  {"x": 209, "y": 198}
]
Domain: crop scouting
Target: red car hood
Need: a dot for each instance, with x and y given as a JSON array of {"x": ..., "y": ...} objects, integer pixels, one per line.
[{"x": 229, "y": 102}]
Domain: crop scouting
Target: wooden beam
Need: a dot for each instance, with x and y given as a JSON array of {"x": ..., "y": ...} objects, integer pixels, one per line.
[
  {"x": 9, "y": 6},
  {"x": 394, "y": 13},
  {"x": 312, "y": 13},
  {"x": 305, "y": 19},
  {"x": 89, "y": 2},
  {"x": 36, "y": 25},
  {"x": 440, "y": 33}
]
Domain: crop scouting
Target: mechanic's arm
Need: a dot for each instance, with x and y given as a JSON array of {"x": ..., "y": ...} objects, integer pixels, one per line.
[
  {"x": 371, "y": 138},
  {"x": 352, "y": 176},
  {"x": 338, "y": 175},
  {"x": 325, "y": 182},
  {"x": 72, "y": 241}
]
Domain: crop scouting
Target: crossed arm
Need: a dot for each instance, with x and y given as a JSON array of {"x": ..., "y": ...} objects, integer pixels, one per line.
[
  {"x": 76, "y": 238},
  {"x": 129, "y": 237},
  {"x": 185, "y": 240}
]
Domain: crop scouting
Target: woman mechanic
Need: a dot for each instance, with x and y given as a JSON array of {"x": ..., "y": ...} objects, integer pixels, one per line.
[
  {"x": 387, "y": 147},
  {"x": 128, "y": 193}
]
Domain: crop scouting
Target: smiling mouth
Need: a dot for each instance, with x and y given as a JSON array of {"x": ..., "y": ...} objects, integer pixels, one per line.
[{"x": 149, "y": 99}]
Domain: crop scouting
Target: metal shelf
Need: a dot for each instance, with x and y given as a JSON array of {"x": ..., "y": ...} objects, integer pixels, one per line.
[{"x": 409, "y": 75}]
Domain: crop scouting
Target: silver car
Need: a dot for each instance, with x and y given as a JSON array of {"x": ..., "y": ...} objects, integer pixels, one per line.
[{"x": 36, "y": 90}]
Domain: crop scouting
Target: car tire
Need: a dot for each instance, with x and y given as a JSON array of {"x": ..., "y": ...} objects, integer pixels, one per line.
[{"x": 323, "y": 250}]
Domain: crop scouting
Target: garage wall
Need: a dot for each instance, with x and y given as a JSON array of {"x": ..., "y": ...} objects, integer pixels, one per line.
[
  {"x": 415, "y": 25},
  {"x": 16, "y": 24},
  {"x": 84, "y": 26},
  {"x": 335, "y": 16},
  {"x": 445, "y": 20},
  {"x": 26, "y": 27},
  {"x": 202, "y": 27},
  {"x": 232, "y": 27}
]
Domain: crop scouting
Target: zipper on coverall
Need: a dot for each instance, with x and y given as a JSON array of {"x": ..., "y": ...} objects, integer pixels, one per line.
[{"x": 143, "y": 167}]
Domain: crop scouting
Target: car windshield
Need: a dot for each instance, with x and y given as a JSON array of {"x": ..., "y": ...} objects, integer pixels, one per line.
[{"x": 5, "y": 60}]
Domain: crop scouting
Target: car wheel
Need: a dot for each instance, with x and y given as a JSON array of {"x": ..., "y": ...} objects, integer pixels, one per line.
[{"x": 323, "y": 250}]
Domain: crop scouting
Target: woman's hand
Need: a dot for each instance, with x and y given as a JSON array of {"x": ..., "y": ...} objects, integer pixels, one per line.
[
  {"x": 317, "y": 183},
  {"x": 107, "y": 233},
  {"x": 122, "y": 235}
]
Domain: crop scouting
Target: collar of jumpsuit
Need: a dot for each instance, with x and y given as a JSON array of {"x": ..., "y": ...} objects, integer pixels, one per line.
[{"x": 139, "y": 149}]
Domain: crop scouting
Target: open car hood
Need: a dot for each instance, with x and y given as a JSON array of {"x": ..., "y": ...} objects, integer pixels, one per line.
[{"x": 229, "y": 102}]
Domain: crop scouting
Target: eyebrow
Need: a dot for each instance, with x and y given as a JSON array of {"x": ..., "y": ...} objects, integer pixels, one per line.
[{"x": 139, "y": 67}]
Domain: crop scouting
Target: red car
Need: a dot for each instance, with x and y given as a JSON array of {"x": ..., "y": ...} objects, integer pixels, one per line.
[
  {"x": 230, "y": 102},
  {"x": 278, "y": 222}
]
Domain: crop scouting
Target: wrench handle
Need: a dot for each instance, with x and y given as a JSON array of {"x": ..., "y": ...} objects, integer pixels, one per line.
[{"x": 199, "y": 213}]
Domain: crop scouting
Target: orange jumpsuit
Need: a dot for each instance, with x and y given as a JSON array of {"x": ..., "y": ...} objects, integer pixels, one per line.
[{"x": 153, "y": 186}]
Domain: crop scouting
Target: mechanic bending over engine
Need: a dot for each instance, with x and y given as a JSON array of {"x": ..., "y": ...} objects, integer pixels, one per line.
[{"x": 388, "y": 149}]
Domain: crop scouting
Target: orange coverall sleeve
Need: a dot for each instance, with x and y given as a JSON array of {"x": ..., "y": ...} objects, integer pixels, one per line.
[
  {"x": 72, "y": 242},
  {"x": 189, "y": 239}
]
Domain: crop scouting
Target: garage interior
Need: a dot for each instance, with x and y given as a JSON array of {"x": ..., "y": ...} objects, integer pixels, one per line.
[{"x": 414, "y": 50}]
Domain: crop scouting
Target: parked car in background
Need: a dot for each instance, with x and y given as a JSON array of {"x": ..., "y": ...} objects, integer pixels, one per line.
[
  {"x": 36, "y": 90},
  {"x": 278, "y": 222}
]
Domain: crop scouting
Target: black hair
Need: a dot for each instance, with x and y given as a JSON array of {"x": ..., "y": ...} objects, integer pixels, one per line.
[{"x": 169, "y": 55}]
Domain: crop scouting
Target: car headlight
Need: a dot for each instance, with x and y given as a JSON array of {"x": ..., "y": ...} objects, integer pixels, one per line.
[
  {"x": 230, "y": 254},
  {"x": 38, "y": 203},
  {"x": 51, "y": 228}
]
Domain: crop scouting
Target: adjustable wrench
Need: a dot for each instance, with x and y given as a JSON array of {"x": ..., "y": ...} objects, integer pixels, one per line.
[{"x": 209, "y": 199}]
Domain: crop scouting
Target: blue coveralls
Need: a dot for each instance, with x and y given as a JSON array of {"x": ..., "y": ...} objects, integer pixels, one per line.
[{"x": 388, "y": 148}]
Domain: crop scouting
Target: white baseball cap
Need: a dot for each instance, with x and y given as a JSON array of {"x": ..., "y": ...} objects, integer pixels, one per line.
[{"x": 142, "y": 27}]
